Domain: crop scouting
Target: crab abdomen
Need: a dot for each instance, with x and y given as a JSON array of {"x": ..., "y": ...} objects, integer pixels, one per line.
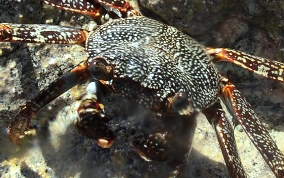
[{"x": 155, "y": 57}]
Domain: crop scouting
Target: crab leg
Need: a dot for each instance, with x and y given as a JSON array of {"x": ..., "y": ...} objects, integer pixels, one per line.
[
  {"x": 225, "y": 134},
  {"x": 261, "y": 66},
  {"x": 32, "y": 33},
  {"x": 80, "y": 6},
  {"x": 94, "y": 7},
  {"x": 241, "y": 110},
  {"x": 21, "y": 122}
]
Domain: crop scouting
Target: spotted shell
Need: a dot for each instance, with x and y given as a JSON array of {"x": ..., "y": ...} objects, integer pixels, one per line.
[{"x": 152, "y": 61}]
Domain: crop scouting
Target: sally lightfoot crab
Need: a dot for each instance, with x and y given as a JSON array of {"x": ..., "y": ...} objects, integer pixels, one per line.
[{"x": 158, "y": 67}]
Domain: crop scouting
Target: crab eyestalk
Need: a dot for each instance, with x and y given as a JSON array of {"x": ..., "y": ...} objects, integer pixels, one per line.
[
  {"x": 100, "y": 69},
  {"x": 181, "y": 104}
]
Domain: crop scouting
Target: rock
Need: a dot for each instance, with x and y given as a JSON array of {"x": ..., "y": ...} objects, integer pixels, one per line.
[{"x": 57, "y": 150}]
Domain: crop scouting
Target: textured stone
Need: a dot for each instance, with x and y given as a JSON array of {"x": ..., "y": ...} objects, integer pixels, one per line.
[{"x": 57, "y": 150}]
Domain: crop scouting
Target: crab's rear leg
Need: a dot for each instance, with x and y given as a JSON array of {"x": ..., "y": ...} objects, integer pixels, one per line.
[
  {"x": 80, "y": 6},
  {"x": 21, "y": 122},
  {"x": 261, "y": 66},
  {"x": 241, "y": 110},
  {"x": 33, "y": 33},
  {"x": 95, "y": 8},
  {"x": 225, "y": 134}
]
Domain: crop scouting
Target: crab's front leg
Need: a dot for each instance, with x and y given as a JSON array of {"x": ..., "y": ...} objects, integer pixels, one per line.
[
  {"x": 43, "y": 34},
  {"x": 20, "y": 123},
  {"x": 96, "y": 68},
  {"x": 241, "y": 111}
]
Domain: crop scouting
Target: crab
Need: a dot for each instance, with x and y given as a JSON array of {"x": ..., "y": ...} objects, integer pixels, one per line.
[{"x": 155, "y": 66}]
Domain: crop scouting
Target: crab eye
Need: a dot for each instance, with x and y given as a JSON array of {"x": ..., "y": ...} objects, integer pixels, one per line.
[
  {"x": 181, "y": 104},
  {"x": 99, "y": 69}
]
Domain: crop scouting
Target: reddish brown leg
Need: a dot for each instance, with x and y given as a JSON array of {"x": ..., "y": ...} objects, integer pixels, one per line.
[
  {"x": 94, "y": 7},
  {"x": 80, "y": 6},
  {"x": 41, "y": 34},
  {"x": 21, "y": 122},
  {"x": 225, "y": 134},
  {"x": 261, "y": 66},
  {"x": 122, "y": 6},
  {"x": 241, "y": 110}
]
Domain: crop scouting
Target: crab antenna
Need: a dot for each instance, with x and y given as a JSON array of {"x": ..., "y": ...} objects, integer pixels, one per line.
[{"x": 35, "y": 33}]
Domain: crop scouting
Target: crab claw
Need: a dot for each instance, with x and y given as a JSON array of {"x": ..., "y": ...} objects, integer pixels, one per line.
[
  {"x": 20, "y": 124},
  {"x": 5, "y": 33}
]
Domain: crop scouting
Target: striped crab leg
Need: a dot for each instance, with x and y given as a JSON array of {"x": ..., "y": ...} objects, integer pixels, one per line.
[
  {"x": 43, "y": 34},
  {"x": 225, "y": 135},
  {"x": 34, "y": 33},
  {"x": 95, "y": 8},
  {"x": 240, "y": 110},
  {"x": 20, "y": 123},
  {"x": 261, "y": 66}
]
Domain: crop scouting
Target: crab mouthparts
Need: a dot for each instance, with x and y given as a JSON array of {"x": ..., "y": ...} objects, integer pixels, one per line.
[{"x": 104, "y": 143}]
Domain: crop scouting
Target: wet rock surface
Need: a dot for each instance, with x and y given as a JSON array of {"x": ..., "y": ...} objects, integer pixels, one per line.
[{"x": 57, "y": 150}]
